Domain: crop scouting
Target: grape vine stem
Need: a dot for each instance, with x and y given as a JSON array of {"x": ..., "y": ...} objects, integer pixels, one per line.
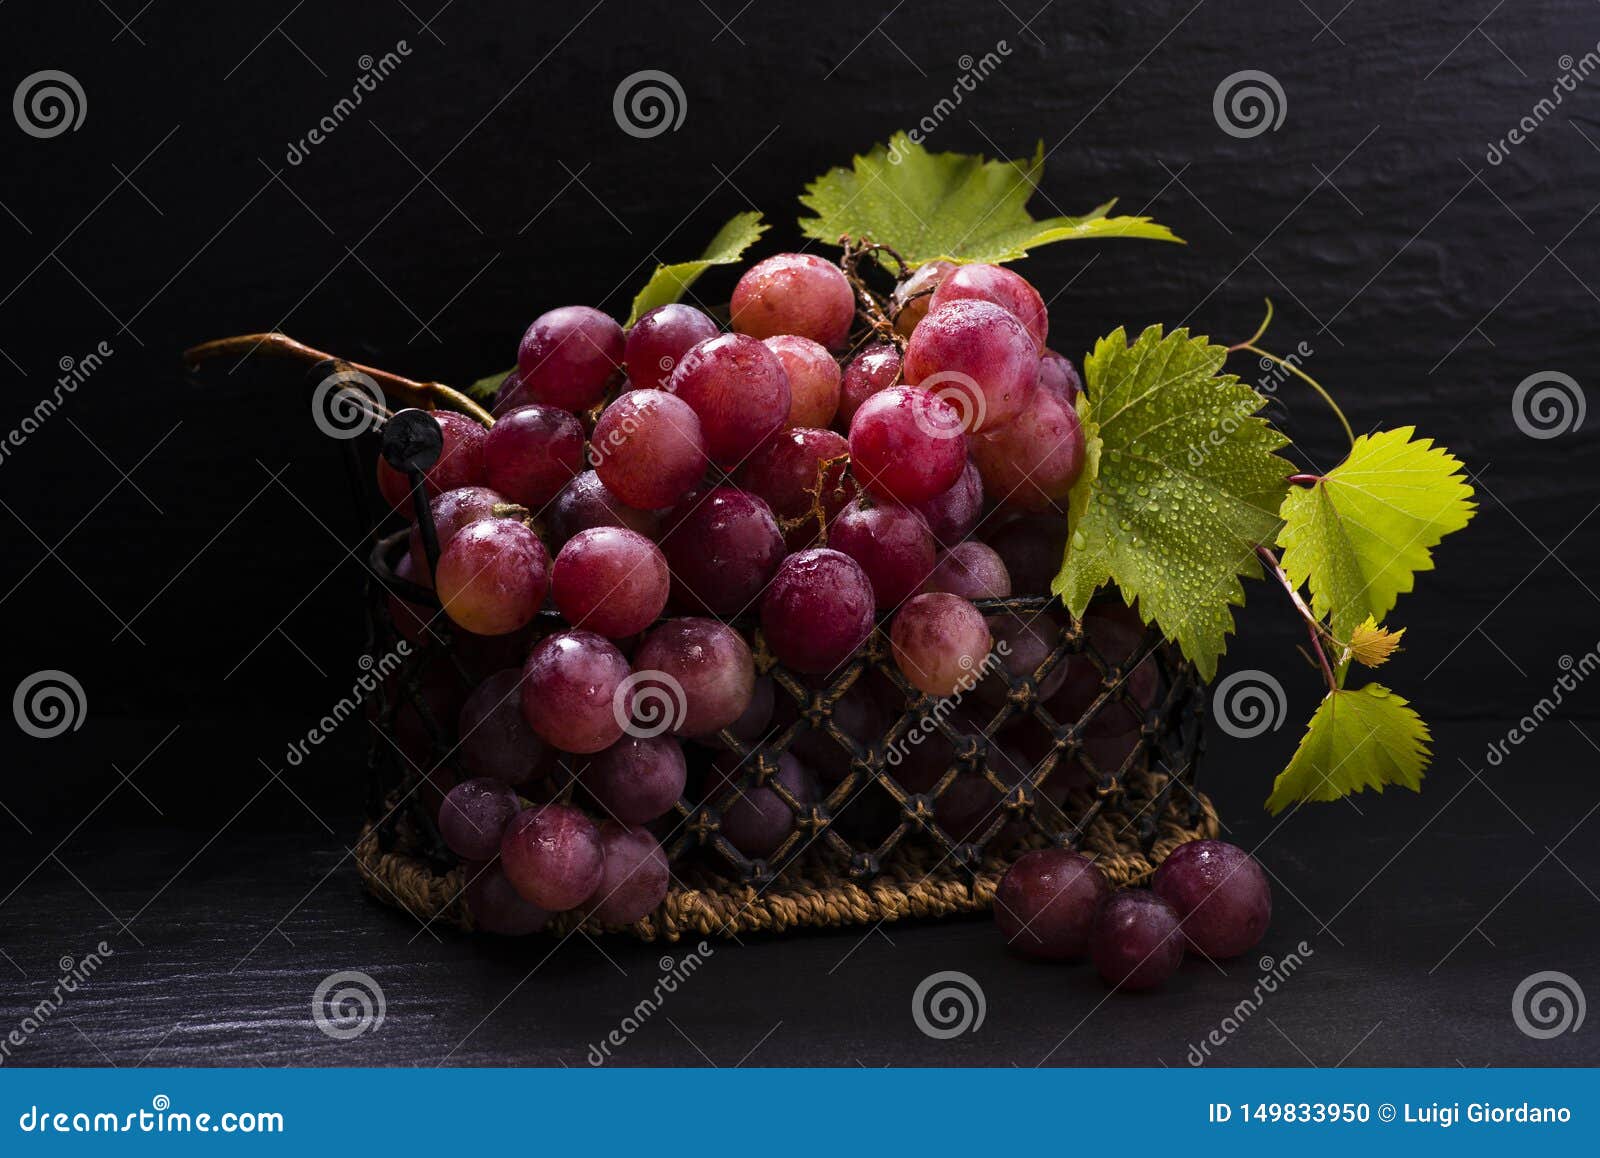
[
  {"x": 872, "y": 308},
  {"x": 1250, "y": 345},
  {"x": 242, "y": 345},
  {"x": 1312, "y": 628}
]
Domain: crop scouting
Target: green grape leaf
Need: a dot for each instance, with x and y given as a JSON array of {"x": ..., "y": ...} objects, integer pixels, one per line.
[
  {"x": 1367, "y": 738},
  {"x": 1360, "y": 534},
  {"x": 670, "y": 282},
  {"x": 484, "y": 389},
  {"x": 1371, "y": 645},
  {"x": 1184, "y": 486},
  {"x": 955, "y": 206}
]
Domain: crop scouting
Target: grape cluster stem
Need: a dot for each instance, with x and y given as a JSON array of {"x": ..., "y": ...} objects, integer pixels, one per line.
[{"x": 873, "y": 308}]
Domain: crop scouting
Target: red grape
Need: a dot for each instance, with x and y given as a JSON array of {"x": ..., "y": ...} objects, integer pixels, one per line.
[
  {"x": 1135, "y": 940},
  {"x": 794, "y": 293},
  {"x": 1058, "y": 375},
  {"x": 1032, "y": 462},
  {"x": 637, "y": 779},
  {"x": 787, "y": 468},
  {"x": 967, "y": 808},
  {"x": 1114, "y": 631},
  {"x": 648, "y": 449},
  {"x": 497, "y": 907},
  {"x": 907, "y": 445},
  {"x": 587, "y": 502},
  {"x": 451, "y": 511},
  {"x": 633, "y": 881},
  {"x": 953, "y": 515},
  {"x": 473, "y": 816},
  {"x": 722, "y": 548},
  {"x": 610, "y": 580},
  {"x": 813, "y": 379},
  {"x": 532, "y": 453},
  {"x": 817, "y": 610},
  {"x": 972, "y": 571},
  {"x": 493, "y": 577},
  {"x": 1027, "y": 638},
  {"x": 570, "y": 683},
  {"x": 978, "y": 357},
  {"x": 995, "y": 283},
  {"x": 1032, "y": 549},
  {"x": 552, "y": 856},
  {"x": 1046, "y": 903},
  {"x": 460, "y": 464},
  {"x": 495, "y": 739},
  {"x": 738, "y": 389},
  {"x": 892, "y": 544},
  {"x": 694, "y": 675},
  {"x": 909, "y": 304},
  {"x": 659, "y": 339},
  {"x": 939, "y": 641},
  {"x": 1221, "y": 894},
  {"x": 756, "y": 820},
  {"x": 875, "y": 368},
  {"x": 567, "y": 357},
  {"x": 510, "y": 395},
  {"x": 755, "y": 721},
  {"x": 858, "y": 715}
]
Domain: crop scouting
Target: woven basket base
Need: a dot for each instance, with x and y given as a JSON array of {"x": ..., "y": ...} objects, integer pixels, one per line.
[{"x": 913, "y": 884}]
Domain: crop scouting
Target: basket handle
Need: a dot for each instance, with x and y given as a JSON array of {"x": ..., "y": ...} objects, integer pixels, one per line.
[{"x": 426, "y": 395}]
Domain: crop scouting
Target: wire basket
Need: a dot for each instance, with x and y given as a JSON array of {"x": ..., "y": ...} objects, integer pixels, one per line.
[{"x": 918, "y": 816}]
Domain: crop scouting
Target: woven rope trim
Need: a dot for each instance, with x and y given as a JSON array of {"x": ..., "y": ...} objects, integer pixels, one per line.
[{"x": 702, "y": 904}]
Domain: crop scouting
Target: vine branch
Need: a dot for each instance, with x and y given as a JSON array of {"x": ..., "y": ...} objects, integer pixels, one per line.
[{"x": 1312, "y": 628}]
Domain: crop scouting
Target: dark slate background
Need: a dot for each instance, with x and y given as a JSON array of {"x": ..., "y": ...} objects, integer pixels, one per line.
[{"x": 183, "y": 549}]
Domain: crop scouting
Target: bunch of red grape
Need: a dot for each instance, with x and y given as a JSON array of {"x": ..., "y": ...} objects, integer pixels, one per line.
[
  {"x": 1209, "y": 897},
  {"x": 713, "y": 476}
]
